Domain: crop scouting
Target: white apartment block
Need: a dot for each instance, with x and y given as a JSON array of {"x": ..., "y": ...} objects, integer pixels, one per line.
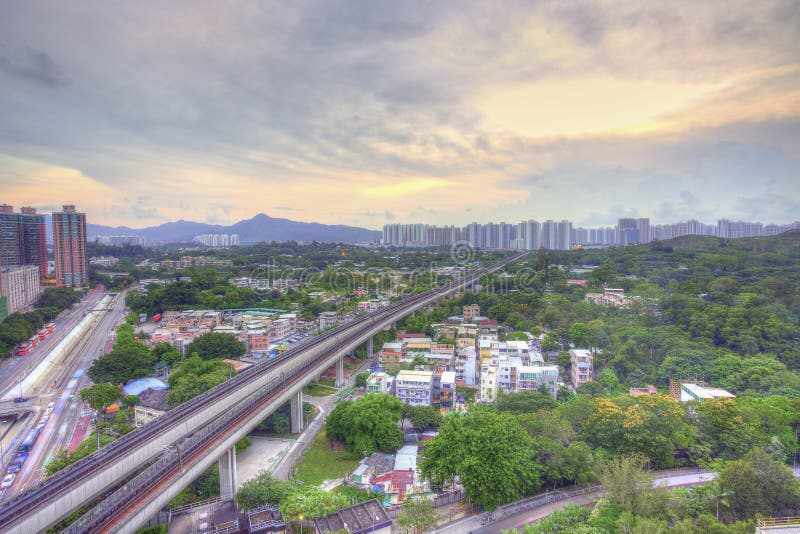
[
  {"x": 328, "y": 319},
  {"x": 582, "y": 363},
  {"x": 489, "y": 385},
  {"x": 531, "y": 378},
  {"x": 414, "y": 387},
  {"x": 466, "y": 365}
]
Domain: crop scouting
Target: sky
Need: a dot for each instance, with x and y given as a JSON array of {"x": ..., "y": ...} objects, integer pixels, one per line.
[{"x": 374, "y": 112}]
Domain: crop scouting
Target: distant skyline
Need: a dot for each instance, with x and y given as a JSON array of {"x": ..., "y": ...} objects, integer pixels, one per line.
[{"x": 368, "y": 113}]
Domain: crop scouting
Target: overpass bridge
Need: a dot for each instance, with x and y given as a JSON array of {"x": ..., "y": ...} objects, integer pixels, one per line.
[{"x": 139, "y": 474}]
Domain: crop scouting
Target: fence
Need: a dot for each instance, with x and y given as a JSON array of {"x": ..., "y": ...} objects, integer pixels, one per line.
[
  {"x": 439, "y": 500},
  {"x": 536, "y": 501},
  {"x": 778, "y": 522}
]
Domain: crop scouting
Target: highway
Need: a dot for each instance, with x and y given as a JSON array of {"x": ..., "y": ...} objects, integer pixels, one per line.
[
  {"x": 60, "y": 384},
  {"x": 197, "y": 432},
  {"x": 14, "y": 370}
]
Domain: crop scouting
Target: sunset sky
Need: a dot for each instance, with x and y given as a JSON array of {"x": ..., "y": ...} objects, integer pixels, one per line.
[{"x": 371, "y": 112}]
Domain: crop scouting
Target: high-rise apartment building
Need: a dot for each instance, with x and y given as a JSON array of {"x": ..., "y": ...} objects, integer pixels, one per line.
[
  {"x": 22, "y": 238},
  {"x": 735, "y": 229},
  {"x": 69, "y": 245},
  {"x": 21, "y": 287},
  {"x": 633, "y": 231}
]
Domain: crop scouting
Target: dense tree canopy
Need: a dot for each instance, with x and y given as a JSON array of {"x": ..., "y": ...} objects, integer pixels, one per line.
[
  {"x": 492, "y": 456},
  {"x": 128, "y": 359},
  {"x": 195, "y": 376},
  {"x": 216, "y": 346},
  {"x": 100, "y": 396},
  {"x": 368, "y": 424}
]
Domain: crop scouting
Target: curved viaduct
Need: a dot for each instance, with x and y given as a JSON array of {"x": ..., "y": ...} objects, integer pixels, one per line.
[{"x": 141, "y": 472}]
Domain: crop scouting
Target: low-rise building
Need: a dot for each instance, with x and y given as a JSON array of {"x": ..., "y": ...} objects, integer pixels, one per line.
[
  {"x": 280, "y": 329},
  {"x": 609, "y": 297},
  {"x": 445, "y": 389},
  {"x": 466, "y": 366},
  {"x": 582, "y": 362},
  {"x": 531, "y": 378},
  {"x": 414, "y": 387},
  {"x": 470, "y": 311},
  {"x": 697, "y": 392},
  {"x": 489, "y": 384},
  {"x": 377, "y": 383},
  {"x": 361, "y": 518},
  {"x": 649, "y": 390},
  {"x": 466, "y": 334},
  {"x": 417, "y": 345},
  {"x": 328, "y": 319},
  {"x": 152, "y": 405}
]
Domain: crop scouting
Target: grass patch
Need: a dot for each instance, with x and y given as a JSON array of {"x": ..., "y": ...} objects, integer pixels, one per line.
[
  {"x": 322, "y": 462},
  {"x": 316, "y": 389}
]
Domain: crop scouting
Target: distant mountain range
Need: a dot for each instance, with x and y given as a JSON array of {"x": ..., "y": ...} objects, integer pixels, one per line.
[{"x": 259, "y": 228}]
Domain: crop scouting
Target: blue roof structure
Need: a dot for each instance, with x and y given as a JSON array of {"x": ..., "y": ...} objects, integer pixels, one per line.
[{"x": 135, "y": 387}]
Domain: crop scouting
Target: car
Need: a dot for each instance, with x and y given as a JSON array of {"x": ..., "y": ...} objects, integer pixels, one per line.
[
  {"x": 51, "y": 405},
  {"x": 13, "y": 468},
  {"x": 8, "y": 480},
  {"x": 22, "y": 399}
]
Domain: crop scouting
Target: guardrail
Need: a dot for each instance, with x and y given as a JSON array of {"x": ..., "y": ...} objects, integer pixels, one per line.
[
  {"x": 778, "y": 521},
  {"x": 535, "y": 501}
]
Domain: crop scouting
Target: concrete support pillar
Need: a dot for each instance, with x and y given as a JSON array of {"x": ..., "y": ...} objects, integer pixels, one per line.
[
  {"x": 297, "y": 412},
  {"x": 340, "y": 372},
  {"x": 371, "y": 347},
  {"x": 228, "y": 482}
]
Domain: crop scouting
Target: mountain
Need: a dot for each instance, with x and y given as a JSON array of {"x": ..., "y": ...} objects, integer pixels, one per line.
[{"x": 259, "y": 228}]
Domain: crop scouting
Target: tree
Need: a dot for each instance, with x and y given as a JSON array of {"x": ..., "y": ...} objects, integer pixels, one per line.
[
  {"x": 195, "y": 376},
  {"x": 517, "y": 336},
  {"x": 128, "y": 359},
  {"x": 491, "y": 454},
  {"x": 100, "y": 396},
  {"x": 263, "y": 489},
  {"x": 368, "y": 424},
  {"x": 715, "y": 494},
  {"x": 423, "y": 417},
  {"x": 212, "y": 346},
  {"x": 130, "y": 400},
  {"x": 579, "y": 334},
  {"x": 591, "y": 388},
  {"x": 311, "y": 503},
  {"x": 525, "y": 402},
  {"x": 759, "y": 485},
  {"x": 625, "y": 482},
  {"x": 568, "y": 519},
  {"x": 608, "y": 378},
  {"x": 361, "y": 380},
  {"x": 418, "y": 515}
]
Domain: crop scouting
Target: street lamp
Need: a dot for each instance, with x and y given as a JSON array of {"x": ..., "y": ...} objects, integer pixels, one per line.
[{"x": 300, "y": 517}]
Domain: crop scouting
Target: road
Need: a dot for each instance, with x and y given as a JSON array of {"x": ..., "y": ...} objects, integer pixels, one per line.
[
  {"x": 69, "y": 380},
  {"x": 12, "y": 369},
  {"x": 472, "y": 525}
]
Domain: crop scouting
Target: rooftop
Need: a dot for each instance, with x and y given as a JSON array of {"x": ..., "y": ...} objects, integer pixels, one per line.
[{"x": 358, "y": 519}]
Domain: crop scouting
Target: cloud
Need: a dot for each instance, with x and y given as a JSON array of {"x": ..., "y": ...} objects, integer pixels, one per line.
[
  {"x": 413, "y": 110},
  {"x": 33, "y": 66}
]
